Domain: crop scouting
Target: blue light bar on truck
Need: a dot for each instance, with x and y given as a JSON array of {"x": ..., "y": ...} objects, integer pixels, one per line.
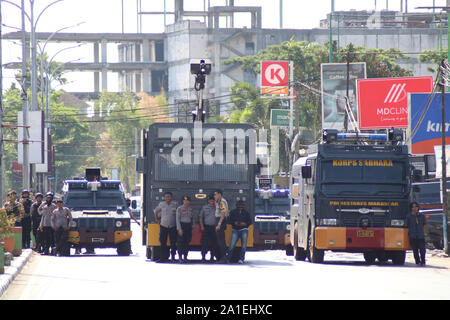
[
  {"x": 365, "y": 136},
  {"x": 332, "y": 135}
]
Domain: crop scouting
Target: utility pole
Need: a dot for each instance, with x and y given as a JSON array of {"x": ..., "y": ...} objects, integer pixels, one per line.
[
  {"x": 443, "y": 158},
  {"x": 331, "y": 32},
  {"x": 2, "y": 168},
  {"x": 24, "y": 97}
]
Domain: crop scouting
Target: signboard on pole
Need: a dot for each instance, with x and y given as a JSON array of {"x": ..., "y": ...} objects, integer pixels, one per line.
[
  {"x": 334, "y": 91},
  {"x": 36, "y": 135},
  {"x": 383, "y": 102},
  {"x": 425, "y": 121},
  {"x": 279, "y": 118},
  {"x": 438, "y": 159},
  {"x": 275, "y": 77}
]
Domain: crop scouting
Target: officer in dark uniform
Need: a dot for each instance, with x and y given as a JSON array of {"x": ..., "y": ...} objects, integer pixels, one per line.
[
  {"x": 26, "y": 221},
  {"x": 36, "y": 220}
]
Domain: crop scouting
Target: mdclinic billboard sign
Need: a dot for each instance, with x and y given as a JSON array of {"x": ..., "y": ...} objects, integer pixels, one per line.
[
  {"x": 275, "y": 77},
  {"x": 425, "y": 120},
  {"x": 383, "y": 102}
]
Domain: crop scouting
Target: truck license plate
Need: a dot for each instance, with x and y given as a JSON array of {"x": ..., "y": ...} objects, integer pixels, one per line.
[
  {"x": 365, "y": 233},
  {"x": 270, "y": 241},
  {"x": 98, "y": 240}
]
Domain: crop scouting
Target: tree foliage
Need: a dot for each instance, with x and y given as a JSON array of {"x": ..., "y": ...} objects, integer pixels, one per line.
[{"x": 307, "y": 58}]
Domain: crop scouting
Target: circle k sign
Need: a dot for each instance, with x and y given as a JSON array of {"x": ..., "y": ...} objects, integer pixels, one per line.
[{"x": 275, "y": 74}]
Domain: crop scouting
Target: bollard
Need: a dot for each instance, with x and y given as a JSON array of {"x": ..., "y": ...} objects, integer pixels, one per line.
[
  {"x": 17, "y": 251},
  {"x": 2, "y": 257}
]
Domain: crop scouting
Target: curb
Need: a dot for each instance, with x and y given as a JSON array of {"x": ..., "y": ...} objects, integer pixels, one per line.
[{"x": 14, "y": 269}]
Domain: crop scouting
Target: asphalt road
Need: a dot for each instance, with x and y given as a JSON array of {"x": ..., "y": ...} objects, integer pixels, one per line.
[{"x": 266, "y": 275}]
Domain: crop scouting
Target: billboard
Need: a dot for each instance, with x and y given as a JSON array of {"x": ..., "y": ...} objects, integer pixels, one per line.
[
  {"x": 274, "y": 77},
  {"x": 334, "y": 90},
  {"x": 383, "y": 102},
  {"x": 36, "y": 136},
  {"x": 424, "y": 131}
]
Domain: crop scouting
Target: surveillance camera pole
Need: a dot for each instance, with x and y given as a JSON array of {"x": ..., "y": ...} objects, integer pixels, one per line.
[
  {"x": 199, "y": 86},
  {"x": 200, "y": 77}
]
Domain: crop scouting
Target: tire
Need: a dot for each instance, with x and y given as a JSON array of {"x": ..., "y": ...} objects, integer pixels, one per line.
[
  {"x": 398, "y": 258},
  {"x": 300, "y": 254},
  {"x": 438, "y": 244},
  {"x": 289, "y": 250},
  {"x": 314, "y": 255},
  {"x": 382, "y": 257},
  {"x": 369, "y": 257},
  {"x": 124, "y": 248}
]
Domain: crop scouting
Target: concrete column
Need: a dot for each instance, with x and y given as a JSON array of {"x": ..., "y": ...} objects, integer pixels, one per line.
[
  {"x": 96, "y": 73},
  {"x": 104, "y": 62},
  {"x": 148, "y": 48}
]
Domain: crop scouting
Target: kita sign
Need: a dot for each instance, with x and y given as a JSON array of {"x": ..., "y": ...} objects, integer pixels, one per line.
[
  {"x": 426, "y": 122},
  {"x": 383, "y": 103},
  {"x": 275, "y": 77}
]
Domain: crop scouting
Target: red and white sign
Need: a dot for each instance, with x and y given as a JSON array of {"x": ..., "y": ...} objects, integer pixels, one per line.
[
  {"x": 383, "y": 102},
  {"x": 275, "y": 77}
]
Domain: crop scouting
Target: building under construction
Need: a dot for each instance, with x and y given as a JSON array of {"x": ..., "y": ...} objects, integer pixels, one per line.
[{"x": 151, "y": 61}]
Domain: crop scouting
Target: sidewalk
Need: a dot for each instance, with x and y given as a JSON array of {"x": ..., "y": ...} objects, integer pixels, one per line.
[{"x": 14, "y": 269}]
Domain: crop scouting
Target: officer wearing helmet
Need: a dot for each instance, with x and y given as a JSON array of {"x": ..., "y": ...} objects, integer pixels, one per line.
[
  {"x": 36, "y": 221},
  {"x": 46, "y": 210},
  {"x": 26, "y": 220}
]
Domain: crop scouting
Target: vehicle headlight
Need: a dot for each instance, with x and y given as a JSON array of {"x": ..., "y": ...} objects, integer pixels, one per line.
[
  {"x": 397, "y": 223},
  {"x": 73, "y": 224},
  {"x": 118, "y": 223},
  {"x": 328, "y": 222}
]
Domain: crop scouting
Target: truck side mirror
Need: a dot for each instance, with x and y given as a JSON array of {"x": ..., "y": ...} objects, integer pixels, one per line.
[
  {"x": 133, "y": 204},
  {"x": 306, "y": 172}
]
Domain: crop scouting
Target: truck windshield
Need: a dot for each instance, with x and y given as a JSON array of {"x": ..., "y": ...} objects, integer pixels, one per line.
[
  {"x": 89, "y": 200},
  {"x": 363, "y": 177},
  {"x": 166, "y": 170}
]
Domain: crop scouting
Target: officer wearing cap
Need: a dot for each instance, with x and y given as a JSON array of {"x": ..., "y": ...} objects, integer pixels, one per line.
[
  {"x": 36, "y": 220},
  {"x": 26, "y": 221},
  {"x": 184, "y": 220},
  {"x": 46, "y": 210},
  {"x": 208, "y": 227},
  {"x": 165, "y": 215},
  {"x": 60, "y": 221}
]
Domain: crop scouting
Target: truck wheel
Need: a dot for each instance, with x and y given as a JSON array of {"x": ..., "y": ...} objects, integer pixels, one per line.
[
  {"x": 314, "y": 255},
  {"x": 289, "y": 250},
  {"x": 370, "y": 257},
  {"x": 398, "y": 258},
  {"x": 300, "y": 254},
  {"x": 124, "y": 248}
]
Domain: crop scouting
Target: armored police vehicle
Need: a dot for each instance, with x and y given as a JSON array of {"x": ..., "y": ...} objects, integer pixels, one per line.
[
  {"x": 271, "y": 216},
  {"x": 352, "y": 195},
  {"x": 100, "y": 214},
  {"x": 161, "y": 172}
]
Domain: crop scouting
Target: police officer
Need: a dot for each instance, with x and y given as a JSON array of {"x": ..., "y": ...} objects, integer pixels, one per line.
[
  {"x": 221, "y": 214},
  {"x": 36, "y": 220},
  {"x": 45, "y": 210},
  {"x": 60, "y": 221},
  {"x": 26, "y": 221},
  {"x": 165, "y": 215},
  {"x": 208, "y": 226},
  {"x": 184, "y": 220}
]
